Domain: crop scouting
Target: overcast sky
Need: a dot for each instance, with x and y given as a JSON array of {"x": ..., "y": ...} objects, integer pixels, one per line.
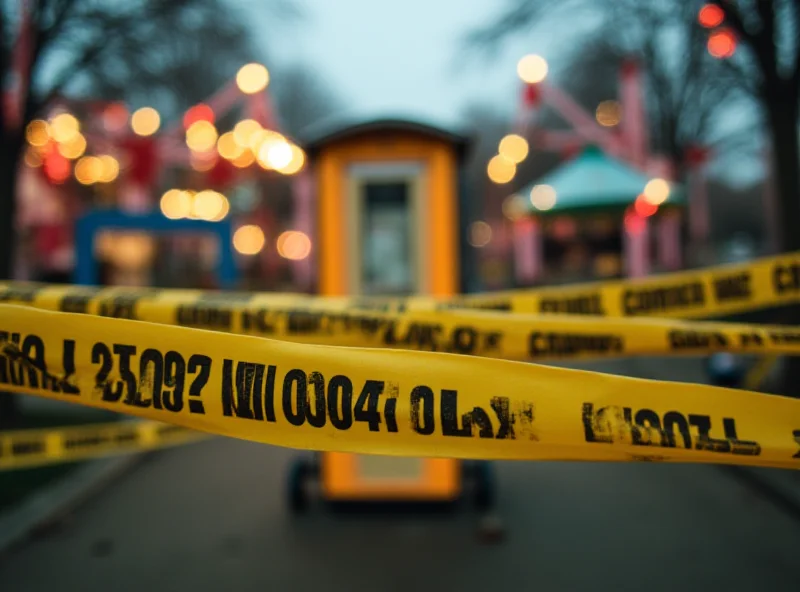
[{"x": 403, "y": 57}]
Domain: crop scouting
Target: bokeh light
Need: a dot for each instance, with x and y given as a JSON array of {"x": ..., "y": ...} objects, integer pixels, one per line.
[
  {"x": 109, "y": 169},
  {"x": 203, "y": 161},
  {"x": 514, "y": 148},
  {"x": 515, "y": 206},
  {"x": 608, "y": 113},
  {"x": 252, "y": 78},
  {"x": 294, "y": 245},
  {"x": 244, "y": 131},
  {"x": 37, "y": 133},
  {"x": 200, "y": 112},
  {"x": 73, "y": 148},
  {"x": 710, "y": 16},
  {"x": 248, "y": 239},
  {"x": 207, "y": 204},
  {"x": 115, "y": 116},
  {"x": 223, "y": 211},
  {"x": 88, "y": 170},
  {"x": 634, "y": 224},
  {"x": 275, "y": 155},
  {"x": 297, "y": 161},
  {"x": 244, "y": 160},
  {"x": 227, "y": 146},
  {"x": 543, "y": 197},
  {"x": 201, "y": 136},
  {"x": 722, "y": 43},
  {"x": 64, "y": 127},
  {"x": 644, "y": 207},
  {"x": 501, "y": 170},
  {"x": 176, "y": 204},
  {"x": 145, "y": 121},
  {"x": 656, "y": 191},
  {"x": 261, "y": 136},
  {"x": 480, "y": 234},
  {"x": 532, "y": 69},
  {"x": 32, "y": 158},
  {"x": 57, "y": 168}
]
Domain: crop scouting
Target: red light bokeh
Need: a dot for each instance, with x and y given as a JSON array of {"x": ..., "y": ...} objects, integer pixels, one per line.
[
  {"x": 710, "y": 16},
  {"x": 200, "y": 112},
  {"x": 722, "y": 43},
  {"x": 643, "y": 207}
]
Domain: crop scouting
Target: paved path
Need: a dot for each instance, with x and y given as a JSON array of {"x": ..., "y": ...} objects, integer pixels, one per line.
[{"x": 211, "y": 516}]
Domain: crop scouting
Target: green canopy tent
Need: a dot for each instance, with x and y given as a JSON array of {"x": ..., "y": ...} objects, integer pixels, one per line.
[
  {"x": 589, "y": 187},
  {"x": 594, "y": 181}
]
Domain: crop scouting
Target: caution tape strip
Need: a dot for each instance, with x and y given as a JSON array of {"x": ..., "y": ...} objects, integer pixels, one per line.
[
  {"x": 24, "y": 449},
  {"x": 704, "y": 293},
  {"x": 522, "y": 337},
  {"x": 386, "y": 402},
  {"x": 710, "y": 292}
]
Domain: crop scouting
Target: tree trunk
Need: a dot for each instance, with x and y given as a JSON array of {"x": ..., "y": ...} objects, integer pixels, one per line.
[
  {"x": 783, "y": 119},
  {"x": 10, "y": 148}
]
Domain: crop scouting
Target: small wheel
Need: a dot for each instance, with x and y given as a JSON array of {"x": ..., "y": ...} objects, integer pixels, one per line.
[
  {"x": 484, "y": 492},
  {"x": 297, "y": 493}
]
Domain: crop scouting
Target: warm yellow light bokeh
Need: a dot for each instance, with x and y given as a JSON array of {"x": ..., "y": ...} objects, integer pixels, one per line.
[
  {"x": 543, "y": 197},
  {"x": 608, "y": 113},
  {"x": 109, "y": 168},
  {"x": 32, "y": 158},
  {"x": 64, "y": 127},
  {"x": 227, "y": 146},
  {"x": 532, "y": 69},
  {"x": 176, "y": 204},
  {"x": 248, "y": 239},
  {"x": 501, "y": 170},
  {"x": 223, "y": 211},
  {"x": 201, "y": 136},
  {"x": 37, "y": 133},
  {"x": 207, "y": 204},
  {"x": 145, "y": 121},
  {"x": 294, "y": 245},
  {"x": 88, "y": 170},
  {"x": 244, "y": 131},
  {"x": 275, "y": 154},
  {"x": 73, "y": 148},
  {"x": 244, "y": 160},
  {"x": 297, "y": 161},
  {"x": 514, "y": 148},
  {"x": 252, "y": 78},
  {"x": 656, "y": 191}
]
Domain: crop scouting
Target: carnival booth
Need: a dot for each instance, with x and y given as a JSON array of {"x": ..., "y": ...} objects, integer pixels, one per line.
[
  {"x": 387, "y": 222},
  {"x": 595, "y": 217}
]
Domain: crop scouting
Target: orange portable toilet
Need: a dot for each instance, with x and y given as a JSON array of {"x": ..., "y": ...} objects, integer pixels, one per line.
[{"x": 388, "y": 198}]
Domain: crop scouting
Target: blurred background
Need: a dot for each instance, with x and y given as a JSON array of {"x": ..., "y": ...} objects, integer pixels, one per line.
[
  {"x": 605, "y": 139},
  {"x": 151, "y": 107}
]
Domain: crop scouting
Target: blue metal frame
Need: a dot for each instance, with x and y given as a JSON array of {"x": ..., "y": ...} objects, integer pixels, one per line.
[{"x": 86, "y": 266}]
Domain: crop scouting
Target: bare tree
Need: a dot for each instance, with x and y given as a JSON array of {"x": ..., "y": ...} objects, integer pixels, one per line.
[
  {"x": 684, "y": 86},
  {"x": 303, "y": 98}
]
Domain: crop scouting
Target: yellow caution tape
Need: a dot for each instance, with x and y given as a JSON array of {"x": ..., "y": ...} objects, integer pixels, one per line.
[
  {"x": 710, "y": 292},
  {"x": 31, "y": 448},
  {"x": 524, "y": 337},
  {"x": 386, "y": 402}
]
